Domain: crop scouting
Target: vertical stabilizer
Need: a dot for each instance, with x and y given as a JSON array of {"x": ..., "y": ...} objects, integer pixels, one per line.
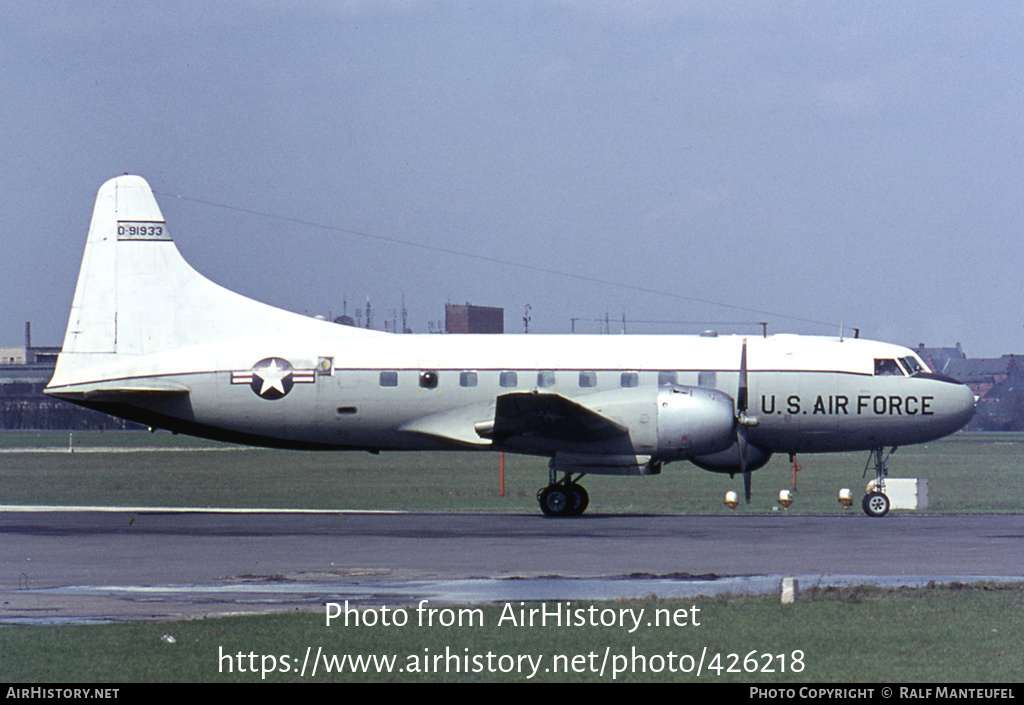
[
  {"x": 125, "y": 219},
  {"x": 137, "y": 296}
]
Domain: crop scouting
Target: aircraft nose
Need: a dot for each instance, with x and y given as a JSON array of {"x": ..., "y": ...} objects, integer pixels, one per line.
[
  {"x": 970, "y": 402},
  {"x": 963, "y": 404},
  {"x": 955, "y": 401}
]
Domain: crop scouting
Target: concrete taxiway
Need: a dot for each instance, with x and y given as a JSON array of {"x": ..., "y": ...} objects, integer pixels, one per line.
[{"x": 62, "y": 565}]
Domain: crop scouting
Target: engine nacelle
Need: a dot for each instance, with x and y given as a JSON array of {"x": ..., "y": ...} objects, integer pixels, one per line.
[
  {"x": 693, "y": 421},
  {"x": 639, "y": 427},
  {"x": 729, "y": 460}
]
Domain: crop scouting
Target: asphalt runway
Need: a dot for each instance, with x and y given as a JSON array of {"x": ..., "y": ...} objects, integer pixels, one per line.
[{"x": 73, "y": 566}]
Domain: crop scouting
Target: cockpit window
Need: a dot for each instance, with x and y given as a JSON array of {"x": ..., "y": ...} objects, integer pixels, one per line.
[
  {"x": 912, "y": 365},
  {"x": 887, "y": 368}
]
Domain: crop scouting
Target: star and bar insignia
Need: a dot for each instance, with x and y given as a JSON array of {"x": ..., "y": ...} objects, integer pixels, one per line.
[{"x": 273, "y": 377}]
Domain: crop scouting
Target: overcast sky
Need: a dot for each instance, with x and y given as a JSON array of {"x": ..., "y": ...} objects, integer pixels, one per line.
[{"x": 810, "y": 164}]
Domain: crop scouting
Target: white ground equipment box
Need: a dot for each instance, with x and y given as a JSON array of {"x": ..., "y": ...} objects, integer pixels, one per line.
[{"x": 906, "y": 492}]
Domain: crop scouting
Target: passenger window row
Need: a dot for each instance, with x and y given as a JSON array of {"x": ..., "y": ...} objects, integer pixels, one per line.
[{"x": 545, "y": 379}]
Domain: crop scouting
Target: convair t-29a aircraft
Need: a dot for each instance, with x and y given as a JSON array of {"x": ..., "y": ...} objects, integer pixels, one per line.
[{"x": 151, "y": 340}]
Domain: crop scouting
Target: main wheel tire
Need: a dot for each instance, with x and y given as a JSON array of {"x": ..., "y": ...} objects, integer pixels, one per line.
[
  {"x": 556, "y": 501},
  {"x": 580, "y": 499},
  {"x": 875, "y": 504}
]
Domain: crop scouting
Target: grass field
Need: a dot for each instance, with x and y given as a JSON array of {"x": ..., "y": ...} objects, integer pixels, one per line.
[
  {"x": 967, "y": 473},
  {"x": 968, "y": 634},
  {"x": 866, "y": 635}
]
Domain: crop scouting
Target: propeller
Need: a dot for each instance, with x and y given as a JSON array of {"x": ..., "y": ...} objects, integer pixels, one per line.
[
  {"x": 743, "y": 421},
  {"x": 741, "y": 396}
]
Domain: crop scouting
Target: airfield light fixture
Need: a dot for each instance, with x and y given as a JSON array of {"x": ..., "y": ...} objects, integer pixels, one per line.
[{"x": 845, "y": 497}]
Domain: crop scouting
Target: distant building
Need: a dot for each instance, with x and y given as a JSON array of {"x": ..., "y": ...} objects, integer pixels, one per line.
[
  {"x": 998, "y": 383},
  {"x": 23, "y": 405},
  {"x": 981, "y": 374},
  {"x": 29, "y": 356},
  {"x": 12, "y": 356},
  {"x": 24, "y": 373},
  {"x": 937, "y": 358},
  {"x": 459, "y": 318}
]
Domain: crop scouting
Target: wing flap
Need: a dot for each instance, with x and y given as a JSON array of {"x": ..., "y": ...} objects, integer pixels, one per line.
[{"x": 548, "y": 417}]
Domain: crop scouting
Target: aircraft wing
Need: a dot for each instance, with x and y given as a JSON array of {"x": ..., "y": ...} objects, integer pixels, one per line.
[
  {"x": 549, "y": 417},
  {"x": 540, "y": 416},
  {"x": 456, "y": 425}
]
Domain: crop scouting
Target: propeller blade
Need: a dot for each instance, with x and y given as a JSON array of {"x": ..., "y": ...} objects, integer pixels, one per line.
[
  {"x": 741, "y": 429},
  {"x": 741, "y": 442},
  {"x": 741, "y": 396}
]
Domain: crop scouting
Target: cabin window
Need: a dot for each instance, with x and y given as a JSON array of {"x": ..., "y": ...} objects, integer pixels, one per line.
[
  {"x": 588, "y": 379},
  {"x": 629, "y": 379},
  {"x": 887, "y": 368},
  {"x": 666, "y": 378},
  {"x": 467, "y": 379},
  {"x": 508, "y": 379},
  {"x": 428, "y": 379},
  {"x": 708, "y": 380},
  {"x": 546, "y": 379},
  {"x": 389, "y": 378}
]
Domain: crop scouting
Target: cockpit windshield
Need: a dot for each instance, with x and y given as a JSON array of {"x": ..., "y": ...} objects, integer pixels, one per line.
[
  {"x": 887, "y": 368},
  {"x": 911, "y": 365}
]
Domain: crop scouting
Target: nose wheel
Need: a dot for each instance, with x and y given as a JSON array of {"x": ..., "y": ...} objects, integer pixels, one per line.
[{"x": 876, "y": 504}]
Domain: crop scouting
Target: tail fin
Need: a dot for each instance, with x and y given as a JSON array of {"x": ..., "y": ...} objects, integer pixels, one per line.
[
  {"x": 126, "y": 226},
  {"x": 136, "y": 295}
]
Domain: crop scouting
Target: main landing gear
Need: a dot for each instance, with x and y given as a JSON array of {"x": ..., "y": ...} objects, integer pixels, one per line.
[
  {"x": 876, "y": 502},
  {"x": 564, "y": 498}
]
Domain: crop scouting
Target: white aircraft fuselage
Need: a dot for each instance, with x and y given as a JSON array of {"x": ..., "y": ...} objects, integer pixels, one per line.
[{"x": 149, "y": 339}]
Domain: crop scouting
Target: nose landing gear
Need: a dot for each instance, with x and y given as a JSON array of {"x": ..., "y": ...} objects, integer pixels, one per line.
[{"x": 876, "y": 502}]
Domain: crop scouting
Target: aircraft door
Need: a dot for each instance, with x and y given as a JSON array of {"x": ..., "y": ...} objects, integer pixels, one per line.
[{"x": 331, "y": 405}]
